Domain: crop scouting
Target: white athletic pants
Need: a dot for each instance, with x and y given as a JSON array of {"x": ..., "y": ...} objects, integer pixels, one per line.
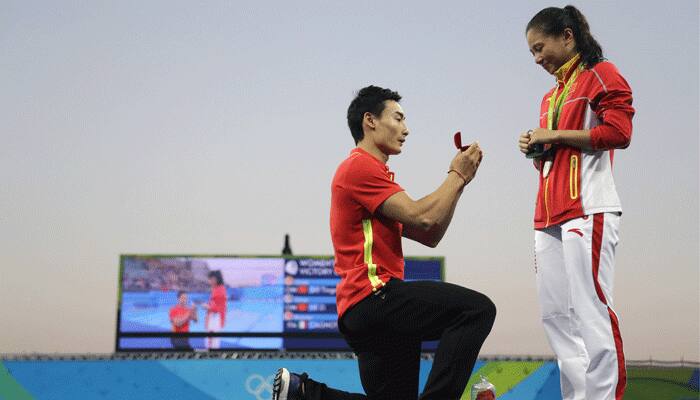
[
  {"x": 214, "y": 325},
  {"x": 574, "y": 263}
]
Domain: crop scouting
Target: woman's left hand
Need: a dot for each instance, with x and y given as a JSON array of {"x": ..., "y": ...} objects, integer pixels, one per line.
[{"x": 541, "y": 136}]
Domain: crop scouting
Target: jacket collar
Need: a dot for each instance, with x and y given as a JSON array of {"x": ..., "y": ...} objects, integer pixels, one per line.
[{"x": 564, "y": 72}]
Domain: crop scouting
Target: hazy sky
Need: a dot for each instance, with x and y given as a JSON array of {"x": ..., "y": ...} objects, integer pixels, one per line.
[{"x": 171, "y": 127}]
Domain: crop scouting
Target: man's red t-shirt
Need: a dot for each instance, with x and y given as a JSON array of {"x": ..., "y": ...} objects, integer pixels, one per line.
[
  {"x": 367, "y": 245},
  {"x": 180, "y": 311}
]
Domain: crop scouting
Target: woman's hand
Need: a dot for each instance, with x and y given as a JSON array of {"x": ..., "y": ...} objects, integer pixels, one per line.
[
  {"x": 541, "y": 136},
  {"x": 524, "y": 142}
]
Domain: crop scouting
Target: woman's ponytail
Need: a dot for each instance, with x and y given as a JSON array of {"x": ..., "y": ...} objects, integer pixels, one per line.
[
  {"x": 590, "y": 50},
  {"x": 554, "y": 20}
]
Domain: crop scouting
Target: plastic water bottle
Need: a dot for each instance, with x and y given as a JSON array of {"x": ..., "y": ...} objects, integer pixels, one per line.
[{"x": 483, "y": 390}]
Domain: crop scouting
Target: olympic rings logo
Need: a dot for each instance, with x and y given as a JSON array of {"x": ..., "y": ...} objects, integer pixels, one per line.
[{"x": 260, "y": 387}]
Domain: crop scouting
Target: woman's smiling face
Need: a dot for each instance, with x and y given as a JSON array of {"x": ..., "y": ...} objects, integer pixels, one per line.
[{"x": 551, "y": 52}]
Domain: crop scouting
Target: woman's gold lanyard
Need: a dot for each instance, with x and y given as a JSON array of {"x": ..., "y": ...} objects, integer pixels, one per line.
[{"x": 557, "y": 103}]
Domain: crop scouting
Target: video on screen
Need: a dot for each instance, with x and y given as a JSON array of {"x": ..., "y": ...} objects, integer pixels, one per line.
[
  {"x": 235, "y": 303},
  {"x": 184, "y": 295}
]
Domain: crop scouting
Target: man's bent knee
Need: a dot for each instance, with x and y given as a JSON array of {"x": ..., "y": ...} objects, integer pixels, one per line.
[{"x": 489, "y": 311}]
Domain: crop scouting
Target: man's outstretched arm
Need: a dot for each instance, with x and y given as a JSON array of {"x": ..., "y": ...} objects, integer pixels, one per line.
[{"x": 426, "y": 220}]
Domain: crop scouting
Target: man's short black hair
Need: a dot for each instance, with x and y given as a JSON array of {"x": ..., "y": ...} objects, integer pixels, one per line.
[
  {"x": 369, "y": 99},
  {"x": 180, "y": 293}
]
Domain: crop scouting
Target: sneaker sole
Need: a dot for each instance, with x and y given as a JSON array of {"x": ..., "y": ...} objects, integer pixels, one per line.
[{"x": 280, "y": 388}]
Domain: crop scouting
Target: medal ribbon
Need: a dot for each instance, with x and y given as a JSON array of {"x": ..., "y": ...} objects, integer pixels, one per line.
[{"x": 556, "y": 103}]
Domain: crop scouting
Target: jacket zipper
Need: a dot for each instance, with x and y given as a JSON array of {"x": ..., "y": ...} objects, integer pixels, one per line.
[{"x": 546, "y": 206}]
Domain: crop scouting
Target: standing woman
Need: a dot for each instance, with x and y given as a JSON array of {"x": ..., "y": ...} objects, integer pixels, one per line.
[
  {"x": 216, "y": 308},
  {"x": 583, "y": 119}
]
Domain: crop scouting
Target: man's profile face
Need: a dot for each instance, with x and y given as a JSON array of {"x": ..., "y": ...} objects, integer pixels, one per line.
[
  {"x": 182, "y": 299},
  {"x": 390, "y": 129}
]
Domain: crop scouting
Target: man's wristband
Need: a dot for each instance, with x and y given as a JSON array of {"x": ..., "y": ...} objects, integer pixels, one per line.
[{"x": 460, "y": 175}]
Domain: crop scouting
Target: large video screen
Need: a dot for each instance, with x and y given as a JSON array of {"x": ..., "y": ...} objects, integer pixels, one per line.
[{"x": 236, "y": 302}]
